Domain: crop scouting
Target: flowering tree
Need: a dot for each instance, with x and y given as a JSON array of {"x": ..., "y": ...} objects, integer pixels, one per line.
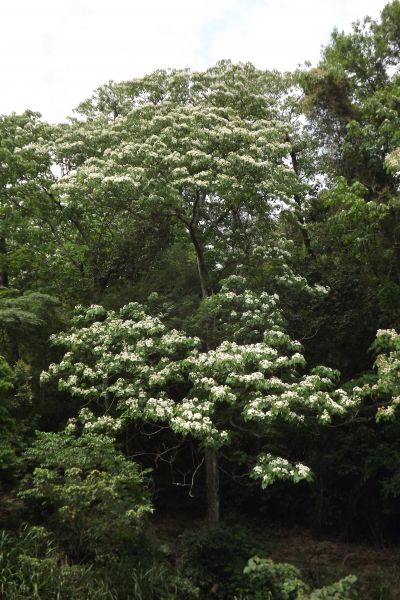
[
  {"x": 136, "y": 369},
  {"x": 393, "y": 161},
  {"x": 386, "y": 388},
  {"x": 24, "y": 178},
  {"x": 208, "y": 153},
  {"x": 204, "y": 153}
]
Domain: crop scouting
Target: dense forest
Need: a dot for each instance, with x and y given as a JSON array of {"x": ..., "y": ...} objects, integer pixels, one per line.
[{"x": 199, "y": 307}]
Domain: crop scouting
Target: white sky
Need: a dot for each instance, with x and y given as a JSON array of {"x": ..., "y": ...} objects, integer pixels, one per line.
[{"x": 54, "y": 53}]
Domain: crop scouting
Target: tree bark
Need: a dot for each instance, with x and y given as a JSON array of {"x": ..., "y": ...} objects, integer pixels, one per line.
[
  {"x": 302, "y": 221},
  {"x": 211, "y": 455},
  {"x": 212, "y": 481},
  {"x": 201, "y": 264},
  {"x": 4, "y": 266},
  {"x": 297, "y": 199}
]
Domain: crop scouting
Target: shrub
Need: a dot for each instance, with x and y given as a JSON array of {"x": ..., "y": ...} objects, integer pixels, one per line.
[
  {"x": 85, "y": 490},
  {"x": 281, "y": 581}
]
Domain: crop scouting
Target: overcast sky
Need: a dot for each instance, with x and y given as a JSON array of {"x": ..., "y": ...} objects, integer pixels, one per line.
[{"x": 54, "y": 53}]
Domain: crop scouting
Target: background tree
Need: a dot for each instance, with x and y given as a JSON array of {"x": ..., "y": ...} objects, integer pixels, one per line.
[{"x": 351, "y": 105}]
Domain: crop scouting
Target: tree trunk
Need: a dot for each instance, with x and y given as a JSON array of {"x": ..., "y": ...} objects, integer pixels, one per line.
[
  {"x": 13, "y": 353},
  {"x": 297, "y": 199},
  {"x": 211, "y": 456},
  {"x": 212, "y": 479},
  {"x": 3, "y": 266},
  {"x": 201, "y": 264}
]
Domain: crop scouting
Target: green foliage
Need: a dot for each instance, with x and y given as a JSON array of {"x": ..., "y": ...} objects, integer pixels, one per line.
[
  {"x": 351, "y": 101},
  {"x": 26, "y": 321},
  {"x": 6, "y": 377},
  {"x": 214, "y": 559},
  {"x": 93, "y": 496},
  {"x": 156, "y": 375},
  {"x": 276, "y": 581},
  {"x": 30, "y": 310},
  {"x": 25, "y": 204},
  {"x": 160, "y": 583},
  {"x": 8, "y": 425},
  {"x": 281, "y": 581},
  {"x": 249, "y": 209},
  {"x": 217, "y": 561},
  {"x": 33, "y": 566}
]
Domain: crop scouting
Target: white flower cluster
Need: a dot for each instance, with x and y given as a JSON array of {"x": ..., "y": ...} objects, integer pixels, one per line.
[
  {"x": 159, "y": 409},
  {"x": 132, "y": 358},
  {"x": 387, "y": 413},
  {"x": 392, "y": 161},
  {"x": 310, "y": 395},
  {"x": 387, "y": 385},
  {"x": 270, "y": 469},
  {"x": 193, "y": 416},
  {"x": 103, "y": 423},
  {"x": 387, "y": 335}
]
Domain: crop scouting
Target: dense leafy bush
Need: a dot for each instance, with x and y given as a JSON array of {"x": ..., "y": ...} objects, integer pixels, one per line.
[
  {"x": 33, "y": 566},
  {"x": 8, "y": 457},
  {"x": 214, "y": 559},
  {"x": 281, "y": 581},
  {"x": 85, "y": 490},
  {"x": 217, "y": 561}
]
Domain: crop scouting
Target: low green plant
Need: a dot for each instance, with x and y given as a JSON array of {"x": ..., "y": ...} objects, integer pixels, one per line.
[
  {"x": 85, "y": 491},
  {"x": 275, "y": 581},
  {"x": 31, "y": 566},
  {"x": 159, "y": 582},
  {"x": 8, "y": 425},
  {"x": 282, "y": 581},
  {"x": 214, "y": 559}
]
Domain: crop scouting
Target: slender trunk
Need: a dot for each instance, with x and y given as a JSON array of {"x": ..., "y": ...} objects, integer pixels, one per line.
[
  {"x": 212, "y": 479},
  {"x": 99, "y": 289},
  {"x": 13, "y": 345},
  {"x": 101, "y": 281},
  {"x": 297, "y": 199},
  {"x": 201, "y": 264},
  {"x": 3, "y": 265},
  {"x": 211, "y": 455},
  {"x": 318, "y": 507}
]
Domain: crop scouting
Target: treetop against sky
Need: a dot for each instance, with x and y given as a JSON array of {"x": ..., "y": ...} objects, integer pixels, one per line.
[{"x": 57, "y": 53}]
